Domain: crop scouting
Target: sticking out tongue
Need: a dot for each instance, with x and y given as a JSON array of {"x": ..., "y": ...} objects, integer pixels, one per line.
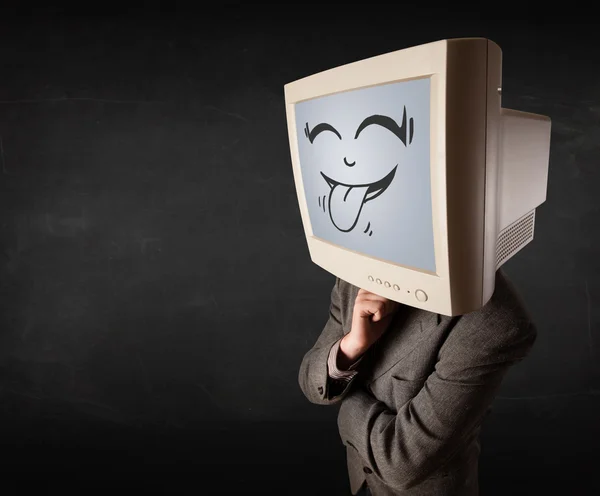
[{"x": 345, "y": 204}]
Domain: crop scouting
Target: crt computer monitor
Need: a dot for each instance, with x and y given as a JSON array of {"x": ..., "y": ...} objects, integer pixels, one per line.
[{"x": 412, "y": 181}]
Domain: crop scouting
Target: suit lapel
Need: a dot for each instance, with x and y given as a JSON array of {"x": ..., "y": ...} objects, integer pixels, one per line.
[{"x": 408, "y": 328}]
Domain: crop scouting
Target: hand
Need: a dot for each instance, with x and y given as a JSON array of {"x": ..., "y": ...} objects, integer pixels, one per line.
[{"x": 371, "y": 318}]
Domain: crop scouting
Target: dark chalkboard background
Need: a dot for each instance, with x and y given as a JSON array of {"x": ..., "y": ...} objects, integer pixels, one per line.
[{"x": 157, "y": 295}]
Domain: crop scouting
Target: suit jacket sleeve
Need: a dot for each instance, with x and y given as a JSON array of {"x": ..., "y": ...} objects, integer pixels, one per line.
[
  {"x": 403, "y": 448},
  {"x": 338, "y": 379},
  {"x": 320, "y": 380}
]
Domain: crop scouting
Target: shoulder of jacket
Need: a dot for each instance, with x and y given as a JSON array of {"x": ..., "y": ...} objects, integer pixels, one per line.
[{"x": 503, "y": 318}]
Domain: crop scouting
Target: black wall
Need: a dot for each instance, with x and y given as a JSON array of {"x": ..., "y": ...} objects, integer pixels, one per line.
[{"x": 157, "y": 295}]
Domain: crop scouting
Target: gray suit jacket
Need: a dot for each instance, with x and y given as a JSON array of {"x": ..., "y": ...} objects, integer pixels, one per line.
[{"x": 411, "y": 417}]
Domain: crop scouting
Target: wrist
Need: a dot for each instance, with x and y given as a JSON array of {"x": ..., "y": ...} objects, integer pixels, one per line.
[{"x": 349, "y": 352}]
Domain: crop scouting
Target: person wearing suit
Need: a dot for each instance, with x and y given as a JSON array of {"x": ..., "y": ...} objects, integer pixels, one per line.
[{"x": 413, "y": 387}]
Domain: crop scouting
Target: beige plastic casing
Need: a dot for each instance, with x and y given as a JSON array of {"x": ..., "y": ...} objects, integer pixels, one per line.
[
  {"x": 523, "y": 177},
  {"x": 465, "y": 140}
]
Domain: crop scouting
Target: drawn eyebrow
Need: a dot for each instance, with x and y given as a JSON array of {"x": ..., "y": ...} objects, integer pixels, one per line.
[
  {"x": 388, "y": 123},
  {"x": 319, "y": 128}
]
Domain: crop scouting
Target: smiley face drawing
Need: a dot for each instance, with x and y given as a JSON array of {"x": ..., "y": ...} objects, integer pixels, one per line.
[
  {"x": 346, "y": 200},
  {"x": 365, "y": 165}
]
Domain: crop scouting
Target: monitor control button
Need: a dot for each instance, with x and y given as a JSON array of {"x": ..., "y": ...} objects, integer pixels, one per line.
[
  {"x": 378, "y": 281},
  {"x": 396, "y": 287},
  {"x": 387, "y": 284},
  {"x": 371, "y": 278},
  {"x": 421, "y": 295}
]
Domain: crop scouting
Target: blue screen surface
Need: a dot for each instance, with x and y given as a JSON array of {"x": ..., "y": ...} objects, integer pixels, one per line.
[{"x": 365, "y": 164}]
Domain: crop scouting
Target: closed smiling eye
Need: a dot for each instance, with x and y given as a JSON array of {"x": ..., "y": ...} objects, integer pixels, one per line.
[
  {"x": 318, "y": 129},
  {"x": 391, "y": 125}
]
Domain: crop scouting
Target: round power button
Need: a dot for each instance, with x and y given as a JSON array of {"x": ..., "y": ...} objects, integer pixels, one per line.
[
  {"x": 421, "y": 295},
  {"x": 396, "y": 287}
]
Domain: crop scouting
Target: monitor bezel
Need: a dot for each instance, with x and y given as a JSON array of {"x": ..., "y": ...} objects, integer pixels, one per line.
[{"x": 423, "y": 61}]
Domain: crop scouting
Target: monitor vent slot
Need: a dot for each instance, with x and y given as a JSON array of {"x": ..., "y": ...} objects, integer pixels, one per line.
[{"x": 514, "y": 237}]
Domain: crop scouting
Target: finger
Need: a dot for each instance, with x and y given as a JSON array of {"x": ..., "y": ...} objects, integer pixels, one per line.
[
  {"x": 366, "y": 296},
  {"x": 374, "y": 309},
  {"x": 385, "y": 318},
  {"x": 382, "y": 304}
]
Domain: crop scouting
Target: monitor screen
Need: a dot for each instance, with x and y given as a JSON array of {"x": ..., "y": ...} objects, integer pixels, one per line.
[{"x": 365, "y": 164}]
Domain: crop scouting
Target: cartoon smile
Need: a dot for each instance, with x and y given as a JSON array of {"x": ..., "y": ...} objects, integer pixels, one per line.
[{"x": 347, "y": 200}]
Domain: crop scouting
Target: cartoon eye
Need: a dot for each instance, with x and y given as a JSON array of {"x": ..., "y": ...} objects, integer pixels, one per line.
[
  {"x": 389, "y": 124},
  {"x": 318, "y": 129}
]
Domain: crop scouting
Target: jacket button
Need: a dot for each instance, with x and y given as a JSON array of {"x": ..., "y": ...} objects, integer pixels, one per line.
[
  {"x": 367, "y": 470},
  {"x": 320, "y": 389}
]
